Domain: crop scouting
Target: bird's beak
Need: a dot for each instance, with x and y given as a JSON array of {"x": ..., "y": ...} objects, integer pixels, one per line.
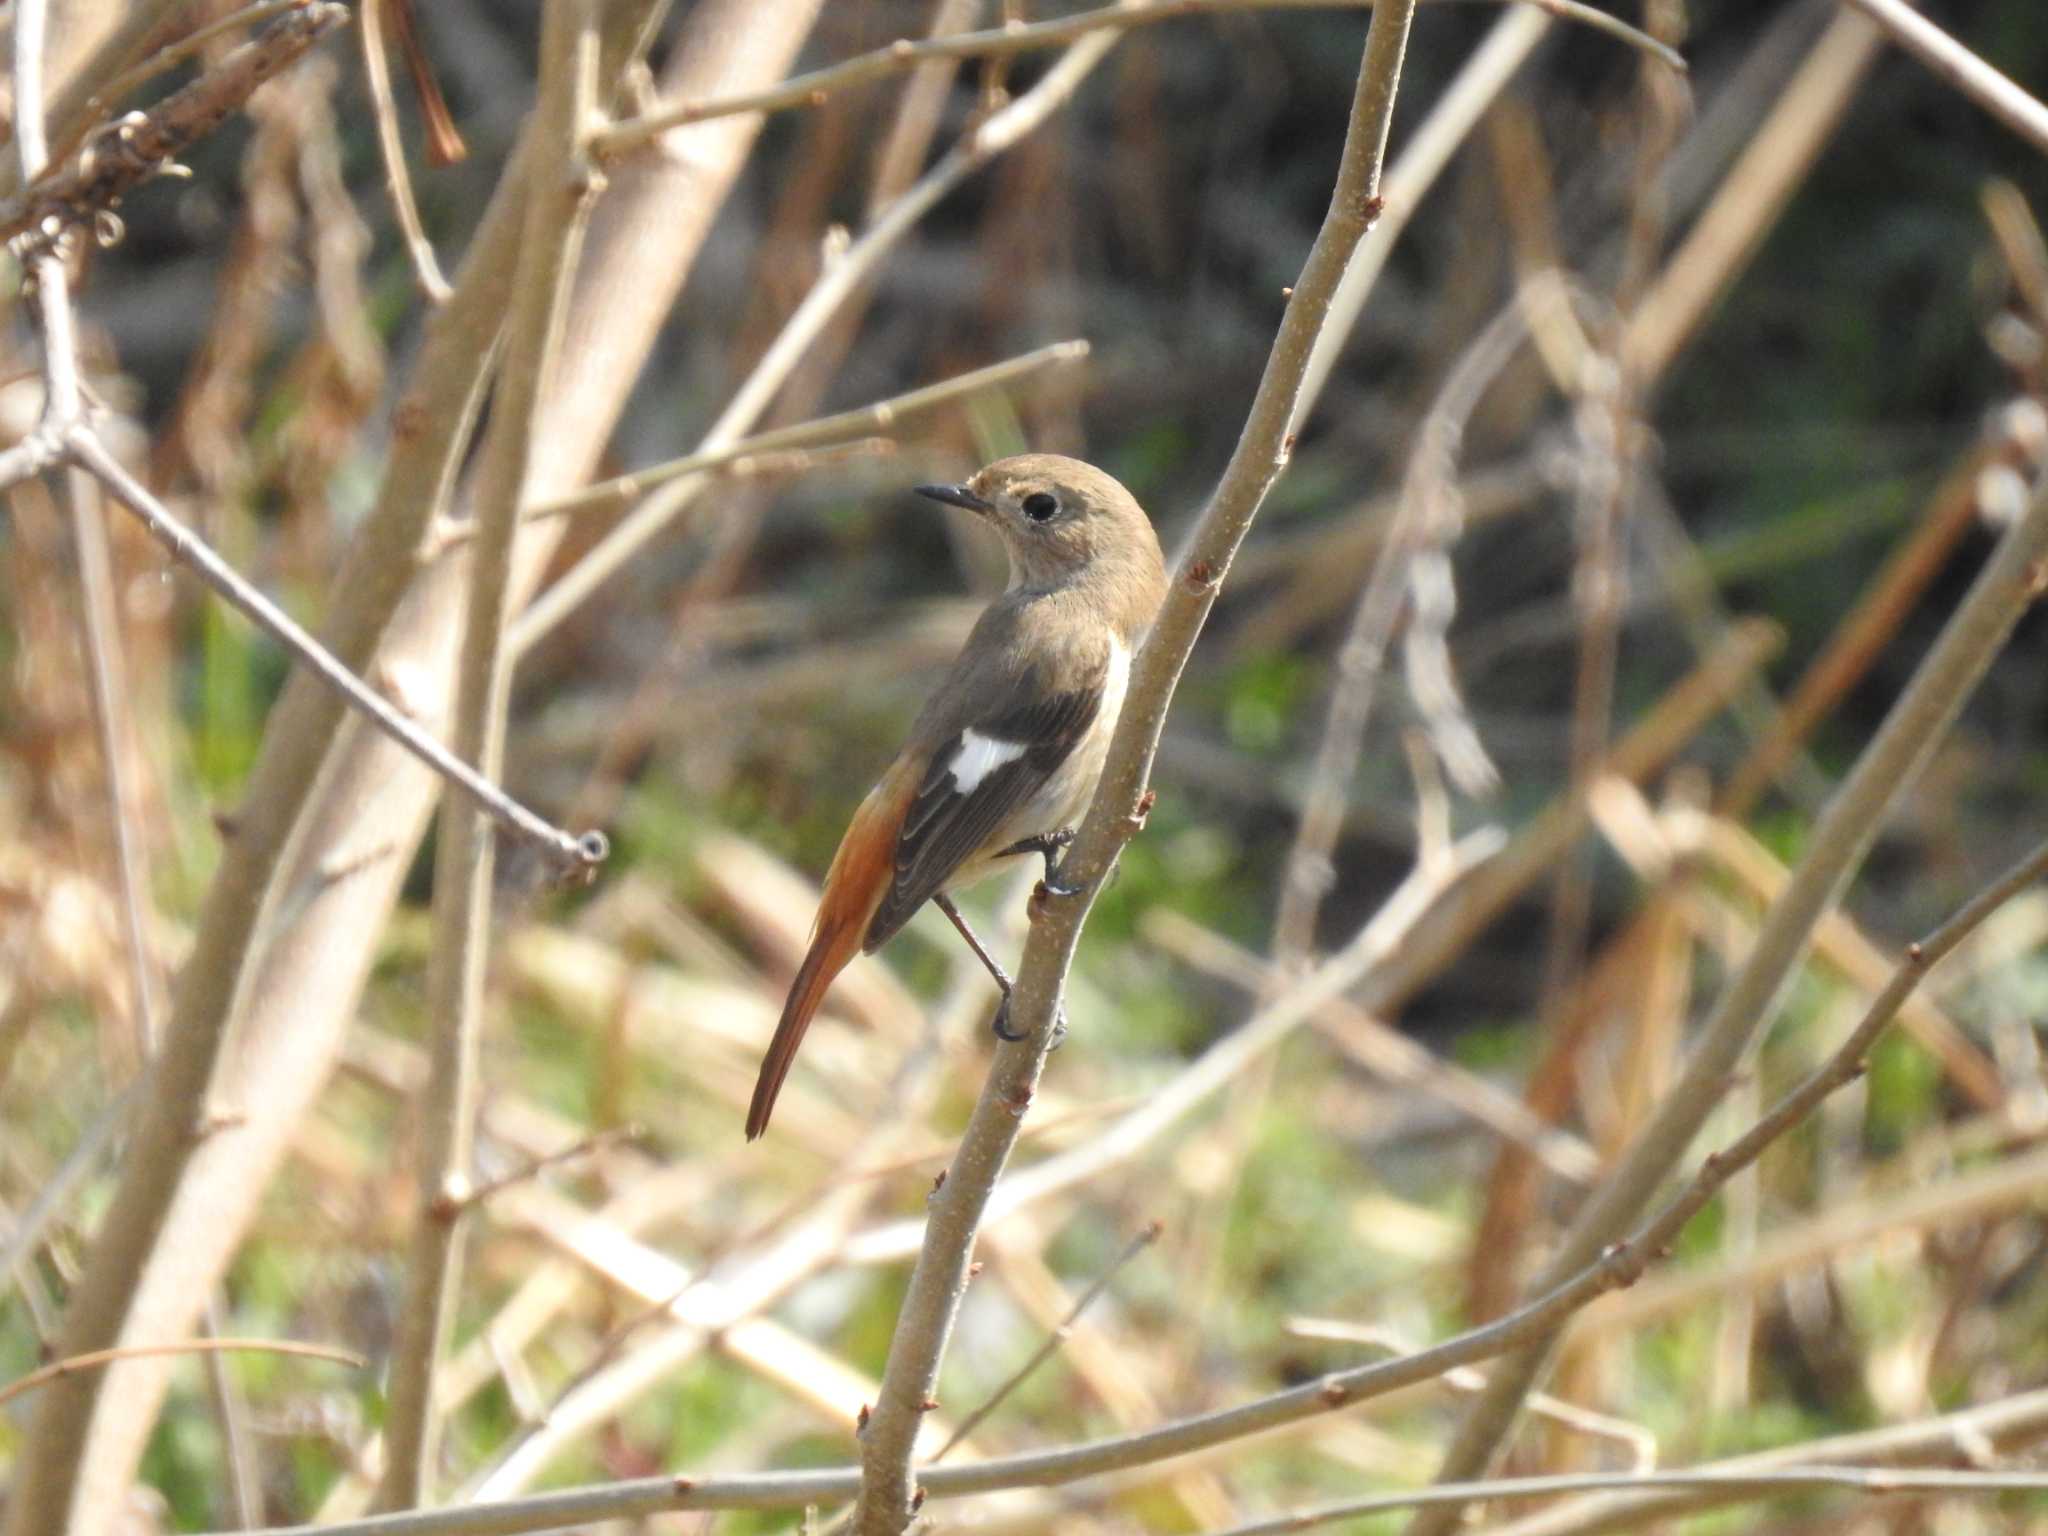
[{"x": 957, "y": 496}]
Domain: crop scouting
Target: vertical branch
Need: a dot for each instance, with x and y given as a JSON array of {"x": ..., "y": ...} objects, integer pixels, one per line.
[
  {"x": 938, "y": 1283},
  {"x": 1916, "y": 723},
  {"x": 557, "y": 211},
  {"x": 106, "y": 672}
]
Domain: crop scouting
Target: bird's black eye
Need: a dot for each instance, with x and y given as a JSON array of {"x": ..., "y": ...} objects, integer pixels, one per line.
[{"x": 1039, "y": 506}]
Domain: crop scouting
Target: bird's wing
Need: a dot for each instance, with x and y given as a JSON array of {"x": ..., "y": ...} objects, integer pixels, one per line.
[{"x": 980, "y": 776}]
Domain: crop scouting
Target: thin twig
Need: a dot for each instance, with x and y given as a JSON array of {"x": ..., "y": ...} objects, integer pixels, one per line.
[
  {"x": 881, "y": 417},
  {"x": 1997, "y": 93},
  {"x": 133, "y": 149},
  {"x": 1641, "y": 1444},
  {"x": 589, "y": 1146},
  {"x": 173, "y": 54},
  {"x": 938, "y": 1282},
  {"x": 1775, "y": 158},
  {"x": 557, "y": 214},
  {"x": 70, "y": 1366},
  {"x": 1872, "y": 1480},
  {"x": 570, "y": 853},
  {"x": 391, "y": 145},
  {"x": 1432, "y": 469},
  {"x": 1137, "y": 1245},
  {"x": 1965, "y": 1437},
  {"x": 231, "y": 1407},
  {"x": 1007, "y": 41},
  {"x": 1912, "y": 729},
  {"x": 106, "y": 674}
]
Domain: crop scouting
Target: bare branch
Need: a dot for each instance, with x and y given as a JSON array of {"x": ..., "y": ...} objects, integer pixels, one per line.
[
  {"x": 570, "y": 853},
  {"x": 1994, "y": 91},
  {"x": 622, "y": 490},
  {"x": 118, "y": 158},
  {"x": 1994, "y": 1426},
  {"x": 905, "y": 53},
  {"x": 1147, "y": 1236},
  {"x": 73, "y": 1364},
  {"x": 557, "y": 213}
]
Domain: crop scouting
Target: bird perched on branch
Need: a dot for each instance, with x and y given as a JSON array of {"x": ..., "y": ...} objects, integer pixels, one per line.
[{"x": 1004, "y": 758}]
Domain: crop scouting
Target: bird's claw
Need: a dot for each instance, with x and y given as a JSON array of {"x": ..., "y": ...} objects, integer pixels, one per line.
[{"x": 1000, "y": 1026}]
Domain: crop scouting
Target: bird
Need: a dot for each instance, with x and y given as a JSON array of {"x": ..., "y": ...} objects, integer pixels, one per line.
[{"x": 1005, "y": 755}]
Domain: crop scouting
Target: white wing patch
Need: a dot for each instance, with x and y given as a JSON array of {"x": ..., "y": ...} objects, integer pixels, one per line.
[{"x": 978, "y": 757}]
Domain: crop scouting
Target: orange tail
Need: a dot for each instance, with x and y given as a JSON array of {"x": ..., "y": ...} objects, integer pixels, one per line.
[{"x": 853, "y": 889}]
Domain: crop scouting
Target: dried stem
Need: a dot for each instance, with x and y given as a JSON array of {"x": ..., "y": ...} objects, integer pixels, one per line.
[
  {"x": 1007, "y": 41},
  {"x": 1727, "y": 1486},
  {"x": 571, "y": 854},
  {"x": 1774, "y": 160},
  {"x": 937, "y": 1284},
  {"x": 391, "y": 145},
  {"x": 106, "y": 674},
  {"x": 557, "y": 213},
  {"x": 173, "y": 54},
  {"x": 1137, "y": 1245},
  {"x": 1997, "y": 93},
  {"x": 71, "y": 1365},
  {"x": 1916, "y": 723},
  {"x": 1862, "y": 634},
  {"x": 116, "y": 159},
  {"x": 1451, "y": 120},
  {"x": 1432, "y": 469},
  {"x": 881, "y": 417}
]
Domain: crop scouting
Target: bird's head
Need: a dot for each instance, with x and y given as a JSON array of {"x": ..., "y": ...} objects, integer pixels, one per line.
[{"x": 1061, "y": 521}]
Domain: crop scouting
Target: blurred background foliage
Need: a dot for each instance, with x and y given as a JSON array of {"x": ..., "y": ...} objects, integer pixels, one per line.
[{"x": 750, "y": 675}]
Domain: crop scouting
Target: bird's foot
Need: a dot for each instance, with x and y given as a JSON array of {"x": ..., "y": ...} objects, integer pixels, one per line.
[
  {"x": 1046, "y": 845},
  {"x": 1000, "y": 1025}
]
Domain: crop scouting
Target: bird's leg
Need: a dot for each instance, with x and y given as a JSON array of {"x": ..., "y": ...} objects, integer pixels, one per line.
[
  {"x": 995, "y": 971},
  {"x": 1001, "y": 1022},
  {"x": 1045, "y": 845}
]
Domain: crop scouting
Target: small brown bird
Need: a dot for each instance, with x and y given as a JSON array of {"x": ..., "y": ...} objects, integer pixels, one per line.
[{"x": 1006, "y": 754}]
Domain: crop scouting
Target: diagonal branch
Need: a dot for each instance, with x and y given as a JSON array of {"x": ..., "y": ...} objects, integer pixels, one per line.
[
  {"x": 1997, "y": 93},
  {"x": 133, "y": 149},
  {"x": 569, "y": 852},
  {"x": 557, "y": 214},
  {"x": 937, "y": 1284}
]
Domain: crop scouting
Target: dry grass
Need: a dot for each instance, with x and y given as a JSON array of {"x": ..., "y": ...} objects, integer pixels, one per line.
[{"x": 1365, "y": 1051}]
